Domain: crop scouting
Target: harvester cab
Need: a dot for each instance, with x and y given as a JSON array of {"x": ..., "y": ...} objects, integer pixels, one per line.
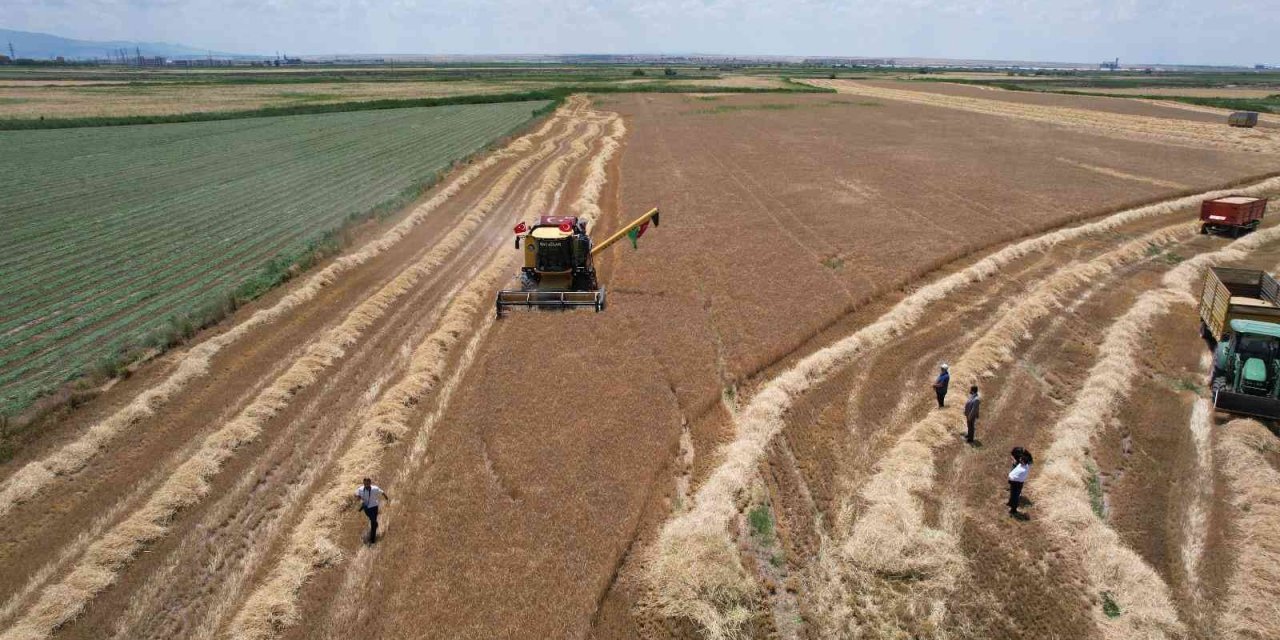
[
  {"x": 559, "y": 263},
  {"x": 1246, "y": 370}
]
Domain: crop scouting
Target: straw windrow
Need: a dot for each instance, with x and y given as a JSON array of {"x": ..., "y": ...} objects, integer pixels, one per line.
[
  {"x": 30, "y": 479},
  {"x": 1113, "y": 567},
  {"x": 694, "y": 570},
  {"x": 186, "y": 485},
  {"x": 273, "y": 605},
  {"x": 1253, "y": 484},
  {"x": 891, "y": 539}
]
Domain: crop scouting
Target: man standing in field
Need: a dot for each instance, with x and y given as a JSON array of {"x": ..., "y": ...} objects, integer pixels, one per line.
[
  {"x": 370, "y": 496},
  {"x": 940, "y": 385},
  {"x": 1017, "y": 478},
  {"x": 971, "y": 413}
]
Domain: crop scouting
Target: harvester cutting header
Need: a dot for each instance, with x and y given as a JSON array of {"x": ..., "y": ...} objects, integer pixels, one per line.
[{"x": 559, "y": 269}]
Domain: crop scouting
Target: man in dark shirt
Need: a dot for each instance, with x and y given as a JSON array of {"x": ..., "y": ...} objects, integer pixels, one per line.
[
  {"x": 971, "y": 413},
  {"x": 940, "y": 385}
]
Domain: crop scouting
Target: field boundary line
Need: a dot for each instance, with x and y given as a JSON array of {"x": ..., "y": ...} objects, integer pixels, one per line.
[
  {"x": 27, "y": 481},
  {"x": 694, "y": 569}
]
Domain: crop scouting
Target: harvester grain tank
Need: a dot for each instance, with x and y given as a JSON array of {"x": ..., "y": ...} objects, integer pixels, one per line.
[
  {"x": 1240, "y": 311},
  {"x": 1247, "y": 119},
  {"x": 1233, "y": 215},
  {"x": 559, "y": 263}
]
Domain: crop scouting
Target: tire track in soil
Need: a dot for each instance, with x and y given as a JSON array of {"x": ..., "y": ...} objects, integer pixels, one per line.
[{"x": 99, "y": 579}]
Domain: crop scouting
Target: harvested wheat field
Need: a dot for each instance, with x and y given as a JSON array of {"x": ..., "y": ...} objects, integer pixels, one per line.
[
  {"x": 742, "y": 444},
  {"x": 1026, "y": 102}
]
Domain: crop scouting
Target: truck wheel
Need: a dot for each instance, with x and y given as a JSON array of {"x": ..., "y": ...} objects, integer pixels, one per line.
[
  {"x": 1204, "y": 229},
  {"x": 1235, "y": 232}
]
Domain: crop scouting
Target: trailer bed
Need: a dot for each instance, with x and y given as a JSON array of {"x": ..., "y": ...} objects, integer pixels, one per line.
[{"x": 1228, "y": 294}]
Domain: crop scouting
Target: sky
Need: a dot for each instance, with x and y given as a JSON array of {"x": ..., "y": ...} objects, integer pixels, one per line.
[{"x": 1136, "y": 31}]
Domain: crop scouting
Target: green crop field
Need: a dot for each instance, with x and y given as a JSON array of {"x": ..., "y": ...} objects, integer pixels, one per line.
[{"x": 114, "y": 237}]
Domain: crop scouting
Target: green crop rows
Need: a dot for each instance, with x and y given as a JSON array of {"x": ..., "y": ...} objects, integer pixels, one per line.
[{"x": 108, "y": 234}]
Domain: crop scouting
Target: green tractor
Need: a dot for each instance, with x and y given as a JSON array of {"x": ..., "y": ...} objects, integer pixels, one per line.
[{"x": 1246, "y": 370}]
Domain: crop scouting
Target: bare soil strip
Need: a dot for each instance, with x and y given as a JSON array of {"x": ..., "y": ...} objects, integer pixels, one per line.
[{"x": 695, "y": 571}]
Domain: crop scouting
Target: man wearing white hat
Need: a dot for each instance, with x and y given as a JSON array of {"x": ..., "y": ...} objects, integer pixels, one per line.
[{"x": 940, "y": 385}]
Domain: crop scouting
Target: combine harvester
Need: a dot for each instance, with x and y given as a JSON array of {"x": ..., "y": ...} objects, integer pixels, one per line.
[
  {"x": 559, "y": 263},
  {"x": 1240, "y": 311}
]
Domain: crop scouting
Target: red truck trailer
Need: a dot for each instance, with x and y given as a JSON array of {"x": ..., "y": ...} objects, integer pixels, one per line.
[{"x": 1232, "y": 214}]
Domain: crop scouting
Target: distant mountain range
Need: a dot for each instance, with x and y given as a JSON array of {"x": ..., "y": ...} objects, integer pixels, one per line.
[{"x": 43, "y": 46}]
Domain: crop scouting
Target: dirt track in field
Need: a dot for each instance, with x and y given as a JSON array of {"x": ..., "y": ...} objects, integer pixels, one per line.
[{"x": 584, "y": 475}]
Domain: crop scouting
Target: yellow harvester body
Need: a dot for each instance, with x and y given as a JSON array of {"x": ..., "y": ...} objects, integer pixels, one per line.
[{"x": 559, "y": 267}]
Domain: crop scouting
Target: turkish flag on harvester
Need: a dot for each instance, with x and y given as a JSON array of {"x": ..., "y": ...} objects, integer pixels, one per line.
[{"x": 635, "y": 234}]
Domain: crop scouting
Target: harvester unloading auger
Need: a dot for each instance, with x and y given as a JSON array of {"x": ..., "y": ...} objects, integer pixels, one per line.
[{"x": 559, "y": 269}]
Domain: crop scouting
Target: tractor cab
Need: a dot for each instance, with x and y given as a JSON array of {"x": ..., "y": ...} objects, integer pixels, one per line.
[
  {"x": 557, "y": 253},
  {"x": 1255, "y": 356},
  {"x": 1247, "y": 370},
  {"x": 559, "y": 270}
]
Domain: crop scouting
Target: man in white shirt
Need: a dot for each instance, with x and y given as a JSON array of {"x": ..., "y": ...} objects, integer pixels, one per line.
[
  {"x": 1018, "y": 477},
  {"x": 370, "y": 496}
]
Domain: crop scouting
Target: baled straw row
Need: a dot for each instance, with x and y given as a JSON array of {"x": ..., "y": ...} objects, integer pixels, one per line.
[
  {"x": 1253, "y": 597},
  {"x": 890, "y": 539},
  {"x": 186, "y": 485},
  {"x": 694, "y": 571},
  {"x": 1111, "y": 566},
  {"x": 1164, "y": 130},
  {"x": 273, "y": 605},
  {"x": 28, "y": 481}
]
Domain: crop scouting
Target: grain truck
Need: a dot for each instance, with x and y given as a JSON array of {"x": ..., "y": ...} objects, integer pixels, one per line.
[{"x": 1233, "y": 215}]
